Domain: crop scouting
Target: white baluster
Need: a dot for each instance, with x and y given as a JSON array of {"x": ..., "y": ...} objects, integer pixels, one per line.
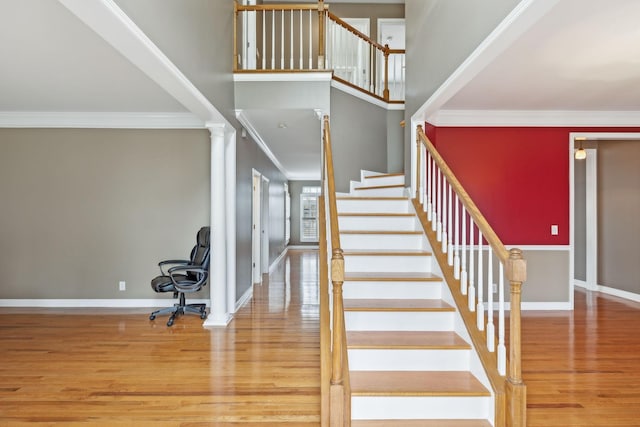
[
  {"x": 434, "y": 198},
  {"x": 427, "y": 205},
  {"x": 456, "y": 257},
  {"x": 480, "y": 288},
  {"x": 439, "y": 206},
  {"x": 291, "y": 41},
  {"x": 273, "y": 39},
  {"x": 444, "y": 214},
  {"x": 450, "y": 226},
  {"x": 282, "y": 40},
  {"x": 471, "y": 287},
  {"x": 491, "y": 330},
  {"x": 264, "y": 40},
  {"x": 301, "y": 44},
  {"x": 502, "y": 350},
  {"x": 310, "y": 40}
]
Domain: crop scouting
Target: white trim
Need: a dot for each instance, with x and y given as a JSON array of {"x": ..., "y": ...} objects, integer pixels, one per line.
[
  {"x": 366, "y": 97},
  {"x": 591, "y": 217},
  {"x": 244, "y": 298},
  {"x": 321, "y": 76},
  {"x": 561, "y": 118},
  {"x": 619, "y": 293},
  {"x": 246, "y": 123},
  {"x": 275, "y": 262},
  {"x": 631, "y": 296},
  {"x": 555, "y": 306},
  {"x": 310, "y": 247},
  {"x": 522, "y": 17},
  {"x": 560, "y": 248},
  {"x": 90, "y": 303},
  {"x": 102, "y": 120}
]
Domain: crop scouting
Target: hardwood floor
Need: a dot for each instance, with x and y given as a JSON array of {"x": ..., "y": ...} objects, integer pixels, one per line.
[
  {"x": 116, "y": 368},
  {"x": 582, "y": 368},
  {"x": 67, "y": 367}
]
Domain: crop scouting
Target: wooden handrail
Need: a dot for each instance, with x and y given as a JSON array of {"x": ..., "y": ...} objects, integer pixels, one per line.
[
  {"x": 488, "y": 233},
  {"x": 355, "y": 32},
  {"x": 511, "y": 391},
  {"x": 334, "y": 373},
  {"x": 284, "y": 6}
]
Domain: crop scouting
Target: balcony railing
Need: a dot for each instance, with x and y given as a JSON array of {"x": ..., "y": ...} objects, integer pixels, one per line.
[{"x": 307, "y": 37}]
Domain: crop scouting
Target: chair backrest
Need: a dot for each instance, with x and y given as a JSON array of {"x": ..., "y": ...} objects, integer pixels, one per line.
[{"x": 200, "y": 252}]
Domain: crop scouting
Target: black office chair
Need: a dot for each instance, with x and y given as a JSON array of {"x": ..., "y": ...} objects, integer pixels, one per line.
[{"x": 185, "y": 276}]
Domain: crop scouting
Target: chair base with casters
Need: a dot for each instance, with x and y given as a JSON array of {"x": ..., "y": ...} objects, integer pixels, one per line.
[
  {"x": 186, "y": 276},
  {"x": 180, "y": 308}
]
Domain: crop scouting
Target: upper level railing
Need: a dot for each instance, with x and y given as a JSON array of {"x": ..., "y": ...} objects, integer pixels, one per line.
[
  {"x": 335, "y": 386},
  {"x": 474, "y": 257},
  {"x": 307, "y": 37}
]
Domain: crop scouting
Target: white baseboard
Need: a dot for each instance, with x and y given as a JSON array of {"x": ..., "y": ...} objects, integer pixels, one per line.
[
  {"x": 546, "y": 306},
  {"x": 608, "y": 290},
  {"x": 277, "y": 260},
  {"x": 244, "y": 298},
  {"x": 89, "y": 303},
  {"x": 309, "y": 247}
]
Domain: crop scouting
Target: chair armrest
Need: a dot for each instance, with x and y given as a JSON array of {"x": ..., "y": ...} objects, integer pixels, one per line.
[
  {"x": 192, "y": 286},
  {"x": 171, "y": 262}
]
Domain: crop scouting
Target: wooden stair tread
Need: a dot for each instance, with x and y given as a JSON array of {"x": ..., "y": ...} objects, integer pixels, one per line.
[
  {"x": 434, "y": 340},
  {"x": 353, "y": 304},
  {"x": 384, "y": 175},
  {"x": 379, "y": 187},
  {"x": 377, "y": 214},
  {"x": 381, "y": 232},
  {"x": 387, "y": 252},
  {"x": 379, "y": 276},
  {"x": 415, "y": 383},
  {"x": 420, "y": 423}
]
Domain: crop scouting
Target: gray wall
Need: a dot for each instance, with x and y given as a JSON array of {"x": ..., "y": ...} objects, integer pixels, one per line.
[
  {"x": 197, "y": 36},
  {"x": 395, "y": 142},
  {"x": 618, "y": 213},
  {"x": 441, "y": 34},
  {"x": 295, "y": 188},
  {"x": 358, "y": 137},
  {"x": 83, "y": 209}
]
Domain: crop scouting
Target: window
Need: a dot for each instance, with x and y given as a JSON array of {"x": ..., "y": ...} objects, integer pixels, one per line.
[{"x": 309, "y": 214}]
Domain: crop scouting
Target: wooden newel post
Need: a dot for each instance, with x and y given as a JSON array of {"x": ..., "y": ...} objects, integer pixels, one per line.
[
  {"x": 516, "y": 390},
  {"x": 385, "y": 92},
  {"x": 337, "y": 279},
  {"x": 418, "y": 157},
  {"x": 321, "y": 47}
]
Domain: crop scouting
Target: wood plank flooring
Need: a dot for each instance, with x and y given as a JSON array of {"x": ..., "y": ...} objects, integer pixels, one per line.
[
  {"x": 116, "y": 368},
  {"x": 71, "y": 367}
]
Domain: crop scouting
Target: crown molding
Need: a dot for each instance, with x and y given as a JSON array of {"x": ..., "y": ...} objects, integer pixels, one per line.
[
  {"x": 534, "y": 118},
  {"x": 105, "y": 120}
]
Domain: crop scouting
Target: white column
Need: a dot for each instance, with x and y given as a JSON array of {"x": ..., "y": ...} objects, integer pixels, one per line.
[
  {"x": 219, "y": 315},
  {"x": 230, "y": 188}
]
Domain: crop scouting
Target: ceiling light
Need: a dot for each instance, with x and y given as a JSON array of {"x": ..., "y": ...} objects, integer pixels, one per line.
[
  {"x": 581, "y": 153},
  {"x": 282, "y": 125}
]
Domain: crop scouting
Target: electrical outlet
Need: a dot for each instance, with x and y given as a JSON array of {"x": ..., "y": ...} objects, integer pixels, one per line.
[
  {"x": 554, "y": 230},
  {"x": 122, "y": 285}
]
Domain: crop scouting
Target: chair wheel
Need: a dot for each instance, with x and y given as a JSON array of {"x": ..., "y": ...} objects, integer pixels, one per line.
[
  {"x": 203, "y": 315},
  {"x": 170, "y": 322},
  {"x": 152, "y": 317}
]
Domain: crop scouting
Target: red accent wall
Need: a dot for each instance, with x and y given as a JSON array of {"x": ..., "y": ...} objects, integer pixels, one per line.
[{"x": 518, "y": 176}]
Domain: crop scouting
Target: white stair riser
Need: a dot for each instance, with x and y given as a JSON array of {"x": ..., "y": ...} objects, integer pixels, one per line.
[
  {"x": 392, "y": 290},
  {"x": 374, "y": 206},
  {"x": 399, "y": 321},
  {"x": 419, "y": 407},
  {"x": 383, "y": 241},
  {"x": 384, "y": 223},
  {"x": 408, "y": 360},
  {"x": 379, "y": 192},
  {"x": 383, "y": 180},
  {"x": 369, "y": 263}
]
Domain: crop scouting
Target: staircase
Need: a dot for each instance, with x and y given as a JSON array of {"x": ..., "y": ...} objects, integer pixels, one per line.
[{"x": 410, "y": 357}]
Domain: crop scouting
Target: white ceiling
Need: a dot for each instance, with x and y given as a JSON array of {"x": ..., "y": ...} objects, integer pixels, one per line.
[{"x": 51, "y": 61}]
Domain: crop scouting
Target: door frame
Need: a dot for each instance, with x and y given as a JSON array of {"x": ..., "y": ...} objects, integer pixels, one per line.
[
  {"x": 256, "y": 216},
  {"x": 264, "y": 225}
]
